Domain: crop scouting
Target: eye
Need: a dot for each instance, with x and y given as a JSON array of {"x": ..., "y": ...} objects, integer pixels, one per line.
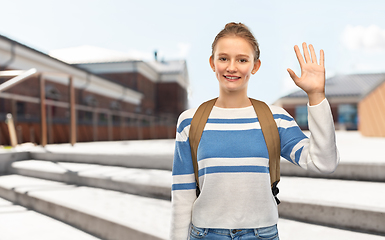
[
  {"x": 243, "y": 60},
  {"x": 222, "y": 59}
]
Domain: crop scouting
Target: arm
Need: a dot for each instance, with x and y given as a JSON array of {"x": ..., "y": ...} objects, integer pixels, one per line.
[
  {"x": 319, "y": 153},
  {"x": 183, "y": 181}
]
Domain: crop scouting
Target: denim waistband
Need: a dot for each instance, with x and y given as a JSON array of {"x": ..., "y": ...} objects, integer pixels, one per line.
[
  {"x": 225, "y": 232},
  {"x": 262, "y": 232},
  {"x": 230, "y": 232}
]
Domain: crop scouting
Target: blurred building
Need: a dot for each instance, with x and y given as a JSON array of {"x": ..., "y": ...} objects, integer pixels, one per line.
[
  {"x": 357, "y": 102},
  {"x": 116, "y": 98}
]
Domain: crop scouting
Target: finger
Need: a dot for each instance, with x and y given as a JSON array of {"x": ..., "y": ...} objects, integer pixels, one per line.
[
  {"x": 299, "y": 55},
  {"x": 322, "y": 58},
  {"x": 312, "y": 52},
  {"x": 306, "y": 53},
  {"x": 293, "y": 75}
]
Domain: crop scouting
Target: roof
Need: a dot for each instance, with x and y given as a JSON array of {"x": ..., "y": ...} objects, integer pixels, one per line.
[
  {"x": 353, "y": 85},
  {"x": 13, "y": 42},
  {"x": 94, "y": 83},
  {"x": 168, "y": 66},
  {"x": 90, "y": 54}
]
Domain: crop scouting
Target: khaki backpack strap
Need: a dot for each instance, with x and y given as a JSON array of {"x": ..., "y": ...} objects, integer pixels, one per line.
[
  {"x": 271, "y": 135},
  {"x": 198, "y": 123}
]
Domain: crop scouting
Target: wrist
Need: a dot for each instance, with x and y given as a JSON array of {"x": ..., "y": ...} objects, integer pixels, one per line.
[{"x": 316, "y": 98}]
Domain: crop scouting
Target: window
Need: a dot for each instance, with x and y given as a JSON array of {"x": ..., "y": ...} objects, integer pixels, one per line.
[
  {"x": 115, "y": 120},
  {"x": 347, "y": 116},
  {"x": 51, "y": 92},
  {"x": 86, "y": 116},
  {"x": 90, "y": 100},
  {"x": 20, "y": 106},
  {"x": 102, "y": 118},
  {"x": 301, "y": 116},
  {"x": 115, "y": 105}
]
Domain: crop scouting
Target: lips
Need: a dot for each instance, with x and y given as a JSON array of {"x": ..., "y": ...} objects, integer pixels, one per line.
[{"x": 231, "y": 78}]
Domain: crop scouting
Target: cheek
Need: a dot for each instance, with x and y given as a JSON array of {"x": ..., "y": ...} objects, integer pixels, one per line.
[
  {"x": 220, "y": 68},
  {"x": 247, "y": 72}
]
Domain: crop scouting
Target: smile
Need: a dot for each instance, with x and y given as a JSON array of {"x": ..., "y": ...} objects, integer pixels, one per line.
[{"x": 232, "y": 78}]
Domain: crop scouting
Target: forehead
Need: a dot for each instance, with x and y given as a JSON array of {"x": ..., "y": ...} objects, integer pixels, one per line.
[{"x": 230, "y": 45}]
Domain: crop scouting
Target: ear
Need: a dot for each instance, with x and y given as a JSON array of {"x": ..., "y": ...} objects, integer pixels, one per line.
[
  {"x": 256, "y": 67},
  {"x": 211, "y": 60}
]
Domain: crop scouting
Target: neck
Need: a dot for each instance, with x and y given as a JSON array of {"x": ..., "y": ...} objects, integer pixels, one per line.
[{"x": 232, "y": 100}]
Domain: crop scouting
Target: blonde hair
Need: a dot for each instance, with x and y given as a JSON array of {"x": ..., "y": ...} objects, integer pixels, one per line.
[{"x": 237, "y": 30}]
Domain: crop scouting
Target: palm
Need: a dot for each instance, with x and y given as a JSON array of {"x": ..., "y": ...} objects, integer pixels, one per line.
[{"x": 312, "y": 78}]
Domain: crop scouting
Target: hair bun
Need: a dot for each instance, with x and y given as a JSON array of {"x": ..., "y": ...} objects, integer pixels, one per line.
[{"x": 234, "y": 24}]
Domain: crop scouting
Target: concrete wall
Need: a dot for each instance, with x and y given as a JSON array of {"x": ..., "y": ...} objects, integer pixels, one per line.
[{"x": 7, "y": 158}]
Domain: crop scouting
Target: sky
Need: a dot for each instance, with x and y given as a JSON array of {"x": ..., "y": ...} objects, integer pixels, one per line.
[{"x": 351, "y": 32}]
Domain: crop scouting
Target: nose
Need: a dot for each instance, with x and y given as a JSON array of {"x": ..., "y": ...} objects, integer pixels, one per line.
[{"x": 231, "y": 67}]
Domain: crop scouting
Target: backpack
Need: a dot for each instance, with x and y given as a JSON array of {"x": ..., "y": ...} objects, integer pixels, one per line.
[{"x": 269, "y": 130}]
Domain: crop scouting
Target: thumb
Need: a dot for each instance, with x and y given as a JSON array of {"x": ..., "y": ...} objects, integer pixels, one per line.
[{"x": 293, "y": 75}]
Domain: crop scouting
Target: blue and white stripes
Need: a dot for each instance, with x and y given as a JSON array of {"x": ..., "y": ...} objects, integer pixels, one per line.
[{"x": 235, "y": 138}]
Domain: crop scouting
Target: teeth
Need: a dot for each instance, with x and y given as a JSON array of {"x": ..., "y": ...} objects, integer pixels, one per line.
[{"x": 232, "y": 78}]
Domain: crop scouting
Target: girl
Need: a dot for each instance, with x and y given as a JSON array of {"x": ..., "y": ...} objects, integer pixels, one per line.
[{"x": 236, "y": 201}]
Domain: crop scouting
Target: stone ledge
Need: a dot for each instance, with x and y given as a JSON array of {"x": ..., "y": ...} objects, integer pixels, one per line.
[{"x": 347, "y": 218}]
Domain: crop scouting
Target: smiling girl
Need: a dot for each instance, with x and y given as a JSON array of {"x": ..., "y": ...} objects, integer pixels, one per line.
[{"x": 236, "y": 201}]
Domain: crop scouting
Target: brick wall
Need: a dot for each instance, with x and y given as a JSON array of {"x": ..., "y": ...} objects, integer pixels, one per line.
[
  {"x": 171, "y": 98},
  {"x": 140, "y": 83}
]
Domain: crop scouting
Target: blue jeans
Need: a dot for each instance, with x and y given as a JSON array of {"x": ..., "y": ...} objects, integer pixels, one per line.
[{"x": 266, "y": 233}]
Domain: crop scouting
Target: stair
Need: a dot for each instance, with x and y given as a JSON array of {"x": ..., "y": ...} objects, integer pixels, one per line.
[
  {"x": 355, "y": 205},
  {"x": 104, "y": 213},
  {"x": 145, "y": 182},
  {"x": 121, "y": 194},
  {"x": 17, "y": 222}
]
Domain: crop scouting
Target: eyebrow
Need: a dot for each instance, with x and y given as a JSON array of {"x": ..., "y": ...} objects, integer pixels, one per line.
[{"x": 239, "y": 55}]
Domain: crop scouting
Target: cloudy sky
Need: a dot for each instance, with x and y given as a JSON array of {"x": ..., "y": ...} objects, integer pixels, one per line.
[{"x": 351, "y": 32}]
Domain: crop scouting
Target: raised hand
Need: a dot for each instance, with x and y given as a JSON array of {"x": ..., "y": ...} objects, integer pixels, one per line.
[{"x": 312, "y": 79}]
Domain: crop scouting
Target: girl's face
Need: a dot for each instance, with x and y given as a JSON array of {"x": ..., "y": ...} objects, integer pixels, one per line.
[{"x": 233, "y": 63}]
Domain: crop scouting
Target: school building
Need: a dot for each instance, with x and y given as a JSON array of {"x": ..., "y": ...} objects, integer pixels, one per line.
[
  {"x": 357, "y": 102},
  {"x": 101, "y": 97}
]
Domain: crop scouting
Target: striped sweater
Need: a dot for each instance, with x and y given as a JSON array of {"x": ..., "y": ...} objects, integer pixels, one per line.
[{"x": 233, "y": 166}]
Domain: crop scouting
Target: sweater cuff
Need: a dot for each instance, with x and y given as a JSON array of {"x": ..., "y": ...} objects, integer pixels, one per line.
[{"x": 308, "y": 105}]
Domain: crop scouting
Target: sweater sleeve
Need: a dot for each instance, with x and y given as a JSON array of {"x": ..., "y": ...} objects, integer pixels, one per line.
[
  {"x": 317, "y": 153},
  {"x": 183, "y": 181}
]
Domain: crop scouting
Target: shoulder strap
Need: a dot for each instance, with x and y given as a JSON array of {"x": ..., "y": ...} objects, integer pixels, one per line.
[
  {"x": 197, "y": 125},
  {"x": 271, "y": 135}
]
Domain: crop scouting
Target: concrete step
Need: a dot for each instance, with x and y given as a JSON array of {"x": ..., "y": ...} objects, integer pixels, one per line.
[
  {"x": 152, "y": 154},
  {"x": 354, "y": 205},
  {"x": 18, "y": 222},
  {"x": 145, "y": 182},
  {"x": 114, "y": 215},
  {"x": 103, "y": 213},
  {"x": 360, "y": 171},
  {"x": 290, "y": 229}
]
